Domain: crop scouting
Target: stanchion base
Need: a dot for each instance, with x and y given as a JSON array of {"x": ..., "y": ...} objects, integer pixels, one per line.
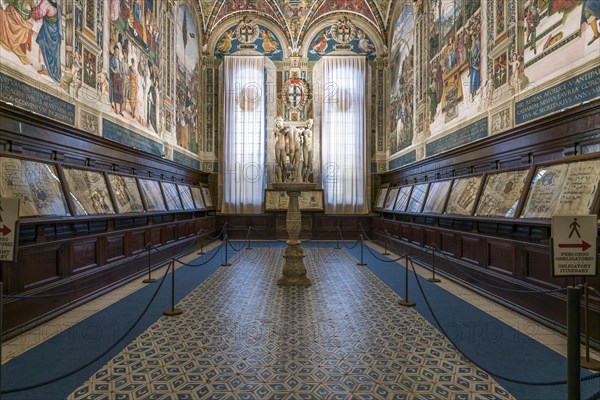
[
  {"x": 434, "y": 280},
  {"x": 200, "y": 253},
  {"x": 408, "y": 303},
  {"x": 591, "y": 364},
  {"x": 385, "y": 254},
  {"x": 362, "y": 264},
  {"x": 149, "y": 280},
  {"x": 172, "y": 312},
  {"x": 225, "y": 264},
  {"x": 249, "y": 248},
  {"x": 337, "y": 248}
]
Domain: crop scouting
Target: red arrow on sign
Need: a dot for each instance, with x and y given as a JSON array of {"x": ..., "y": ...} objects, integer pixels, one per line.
[
  {"x": 584, "y": 245},
  {"x": 5, "y": 230}
]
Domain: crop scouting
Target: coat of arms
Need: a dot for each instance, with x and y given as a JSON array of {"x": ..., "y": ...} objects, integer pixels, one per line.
[
  {"x": 295, "y": 93},
  {"x": 343, "y": 31},
  {"x": 247, "y": 31}
]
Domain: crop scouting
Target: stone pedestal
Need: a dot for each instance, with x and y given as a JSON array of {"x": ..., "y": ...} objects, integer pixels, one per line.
[{"x": 294, "y": 271}]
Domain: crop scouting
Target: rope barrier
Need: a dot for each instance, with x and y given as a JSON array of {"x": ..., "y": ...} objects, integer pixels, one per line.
[
  {"x": 218, "y": 249},
  {"x": 81, "y": 368},
  {"x": 495, "y": 375}
]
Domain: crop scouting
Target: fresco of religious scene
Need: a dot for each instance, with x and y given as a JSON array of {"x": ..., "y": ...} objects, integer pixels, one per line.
[
  {"x": 402, "y": 91},
  {"x": 455, "y": 65},
  {"x": 249, "y": 35},
  {"x": 133, "y": 70},
  {"x": 31, "y": 33},
  {"x": 344, "y": 34},
  {"x": 188, "y": 81},
  {"x": 551, "y": 22},
  {"x": 335, "y": 6}
]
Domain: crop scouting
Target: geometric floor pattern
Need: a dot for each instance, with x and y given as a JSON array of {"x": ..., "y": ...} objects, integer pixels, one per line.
[{"x": 242, "y": 337}]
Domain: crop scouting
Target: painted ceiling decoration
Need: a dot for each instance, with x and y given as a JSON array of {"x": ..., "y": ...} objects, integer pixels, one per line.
[
  {"x": 249, "y": 35},
  {"x": 296, "y": 16},
  {"x": 342, "y": 35}
]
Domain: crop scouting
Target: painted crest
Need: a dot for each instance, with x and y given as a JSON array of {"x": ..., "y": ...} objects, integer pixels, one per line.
[
  {"x": 343, "y": 31},
  {"x": 247, "y": 31},
  {"x": 295, "y": 93}
]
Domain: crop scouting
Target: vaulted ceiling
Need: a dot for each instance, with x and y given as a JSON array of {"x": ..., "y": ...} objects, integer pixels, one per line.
[{"x": 296, "y": 16}]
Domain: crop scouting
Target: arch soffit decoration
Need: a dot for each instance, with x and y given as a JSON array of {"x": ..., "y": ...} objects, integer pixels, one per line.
[
  {"x": 194, "y": 6},
  {"x": 363, "y": 23},
  {"x": 395, "y": 14},
  {"x": 233, "y": 20}
]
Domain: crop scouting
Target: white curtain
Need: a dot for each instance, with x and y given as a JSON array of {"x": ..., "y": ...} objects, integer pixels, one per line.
[
  {"x": 244, "y": 143},
  {"x": 343, "y": 130}
]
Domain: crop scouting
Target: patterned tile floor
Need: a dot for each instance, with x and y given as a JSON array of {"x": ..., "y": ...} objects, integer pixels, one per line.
[{"x": 242, "y": 337}]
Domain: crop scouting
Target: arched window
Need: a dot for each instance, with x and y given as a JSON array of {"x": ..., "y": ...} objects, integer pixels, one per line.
[
  {"x": 244, "y": 141},
  {"x": 343, "y": 123}
]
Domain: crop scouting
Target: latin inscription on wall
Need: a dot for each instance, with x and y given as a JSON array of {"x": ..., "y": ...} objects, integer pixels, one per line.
[
  {"x": 115, "y": 132},
  {"x": 462, "y": 136},
  {"x": 33, "y": 99},
  {"x": 583, "y": 87},
  {"x": 403, "y": 159}
]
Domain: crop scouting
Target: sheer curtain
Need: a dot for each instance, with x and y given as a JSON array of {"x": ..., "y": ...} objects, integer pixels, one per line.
[
  {"x": 343, "y": 132},
  {"x": 244, "y": 142}
]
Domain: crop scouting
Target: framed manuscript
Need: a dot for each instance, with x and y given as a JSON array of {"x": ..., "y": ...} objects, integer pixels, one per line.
[
  {"x": 197, "y": 196},
  {"x": 89, "y": 192},
  {"x": 186, "y": 197},
  {"x": 36, "y": 184},
  {"x": 501, "y": 194},
  {"x": 463, "y": 195},
  {"x": 127, "y": 194},
  {"x": 380, "y": 200},
  {"x": 436, "y": 198},
  {"x": 402, "y": 200},
  {"x": 278, "y": 200},
  {"x": 569, "y": 188},
  {"x": 417, "y": 198},
  {"x": 390, "y": 200},
  {"x": 152, "y": 195},
  {"x": 206, "y": 196},
  {"x": 171, "y": 196}
]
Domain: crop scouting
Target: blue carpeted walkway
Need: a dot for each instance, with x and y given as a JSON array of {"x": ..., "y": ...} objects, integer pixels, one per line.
[{"x": 493, "y": 345}]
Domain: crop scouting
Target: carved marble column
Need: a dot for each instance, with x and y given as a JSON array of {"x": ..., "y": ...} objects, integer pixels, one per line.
[{"x": 294, "y": 270}]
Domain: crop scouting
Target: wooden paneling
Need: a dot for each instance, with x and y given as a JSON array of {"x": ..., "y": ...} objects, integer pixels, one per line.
[
  {"x": 115, "y": 247},
  {"x": 38, "y": 266},
  {"x": 501, "y": 256},
  {"x": 84, "y": 255},
  {"x": 471, "y": 249}
]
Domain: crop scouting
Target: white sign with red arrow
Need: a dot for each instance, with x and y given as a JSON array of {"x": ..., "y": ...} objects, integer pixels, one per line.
[
  {"x": 9, "y": 214},
  {"x": 574, "y": 245}
]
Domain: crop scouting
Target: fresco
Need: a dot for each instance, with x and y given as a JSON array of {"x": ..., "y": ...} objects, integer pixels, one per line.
[
  {"x": 344, "y": 34},
  {"x": 400, "y": 113},
  {"x": 133, "y": 70},
  {"x": 249, "y": 35},
  {"x": 229, "y": 7},
  {"x": 357, "y": 6},
  {"x": 295, "y": 13},
  {"x": 31, "y": 35},
  {"x": 188, "y": 82},
  {"x": 455, "y": 60}
]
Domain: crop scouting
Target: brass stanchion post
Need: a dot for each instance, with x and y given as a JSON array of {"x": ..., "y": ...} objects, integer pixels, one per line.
[
  {"x": 573, "y": 340},
  {"x": 1, "y": 321},
  {"x": 361, "y": 263},
  {"x": 201, "y": 252},
  {"x": 226, "y": 263},
  {"x": 337, "y": 239},
  {"x": 149, "y": 279},
  {"x": 406, "y": 302},
  {"x": 385, "y": 243},
  {"x": 587, "y": 362},
  {"x": 248, "y": 238},
  {"x": 433, "y": 278},
  {"x": 173, "y": 310}
]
